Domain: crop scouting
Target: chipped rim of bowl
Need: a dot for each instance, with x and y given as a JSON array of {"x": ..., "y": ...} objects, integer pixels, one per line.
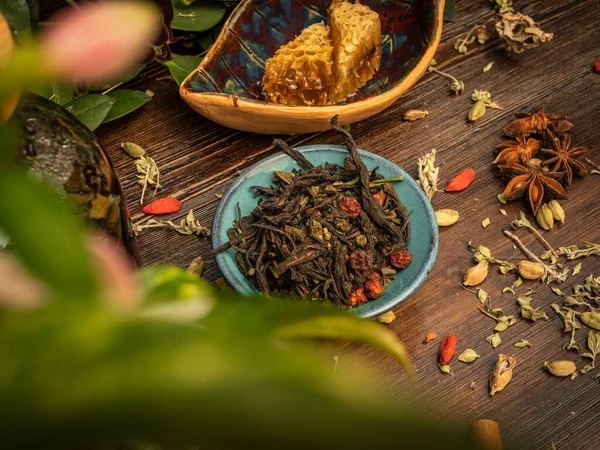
[
  {"x": 241, "y": 283},
  {"x": 258, "y": 106}
]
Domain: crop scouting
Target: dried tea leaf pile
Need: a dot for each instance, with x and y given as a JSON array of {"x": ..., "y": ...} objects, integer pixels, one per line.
[{"x": 331, "y": 233}]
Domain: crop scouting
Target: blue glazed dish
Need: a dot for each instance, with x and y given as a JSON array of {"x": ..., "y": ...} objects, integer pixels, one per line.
[
  {"x": 226, "y": 87},
  {"x": 424, "y": 231}
]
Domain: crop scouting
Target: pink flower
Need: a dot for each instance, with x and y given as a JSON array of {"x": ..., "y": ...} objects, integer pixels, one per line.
[{"x": 97, "y": 42}]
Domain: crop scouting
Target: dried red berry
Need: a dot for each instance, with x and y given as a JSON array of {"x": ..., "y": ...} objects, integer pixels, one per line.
[
  {"x": 351, "y": 206},
  {"x": 380, "y": 197},
  {"x": 166, "y": 205},
  {"x": 373, "y": 289},
  {"x": 361, "y": 260},
  {"x": 597, "y": 66},
  {"x": 358, "y": 297},
  {"x": 400, "y": 259},
  {"x": 374, "y": 276},
  {"x": 461, "y": 181},
  {"x": 447, "y": 349}
]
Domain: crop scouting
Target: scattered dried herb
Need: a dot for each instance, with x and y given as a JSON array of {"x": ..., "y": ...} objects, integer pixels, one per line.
[
  {"x": 188, "y": 225},
  {"x": 446, "y": 217},
  {"x": 483, "y": 100},
  {"x": 488, "y": 67},
  {"x": 429, "y": 337},
  {"x": 563, "y": 158},
  {"x": 387, "y": 317},
  {"x": 428, "y": 173},
  {"x": 523, "y": 343},
  {"x": 563, "y": 368},
  {"x": 520, "y": 32},
  {"x": 457, "y": 86},
  {"x": 573, "y": 252},
  {"x": 494, "y": 340},
  {"x": 502, "y": 373},
  {"x": 446, "y": 369},
  {"x": 148, "y": 173},
  {"x": 485, "y": 222},
  {"x": 528, "y": 312},
  {"x": 196, "y": 266}
]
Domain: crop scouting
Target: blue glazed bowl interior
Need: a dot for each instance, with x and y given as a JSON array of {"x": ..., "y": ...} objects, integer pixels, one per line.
[
  {"x": 236, "y": 63},
  {"x": 424, "y": 232}
]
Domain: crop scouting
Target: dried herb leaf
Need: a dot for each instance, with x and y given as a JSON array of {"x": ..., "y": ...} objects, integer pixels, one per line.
[
  {"x": 485, "y": 222},
  {"x": 494, "y": 340},
  {"x": 482, "y": 295},
  {"x": 520, "y": 32},
  {"x": 576, "y": 269},
  {"x": 446, "y": 369},
  {"x": 488, "y": 67},
  {"x": 501, "y": 199},
  {"x": 523, "y": 343}
]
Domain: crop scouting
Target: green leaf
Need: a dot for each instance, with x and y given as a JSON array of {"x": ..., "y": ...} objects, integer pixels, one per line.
[
  {"x": 181, "y": 66},
  {"x": 61, "y": 94},
  {"x": 16, "y": 13},
  {"x": 348, "y": 327},
  {"x": 450, "y": 11},
  {"x": 198, "y": 16},
  {"x": 46, "y": 235},
  {"x": 127, "y": 76},
  {"x": 91, "y": 109},
  {"x": 126, "y": 101}
]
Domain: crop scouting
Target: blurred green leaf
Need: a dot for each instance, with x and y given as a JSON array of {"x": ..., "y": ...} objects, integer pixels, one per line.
[
  {"x": 16, "y": 13},
  {"x": 45, "y": 234},
  {"x": 181, "y": 66},
  {"x": 168, "y": 283},
  {"x": 91, "y": 109},
  {"x": 73, "y": 376},
  {"x": 127, "y": 76},
  {"x": 61, "y": 94},
  {"x": 199, "y": 16},
  {"x": 126, "y": 101},
  {"x": 450, "y": 11},
  {"x": 350, "y": 328}
]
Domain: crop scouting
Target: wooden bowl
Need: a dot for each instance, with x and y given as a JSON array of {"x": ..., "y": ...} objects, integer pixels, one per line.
[{"x": 226, "y": 86}]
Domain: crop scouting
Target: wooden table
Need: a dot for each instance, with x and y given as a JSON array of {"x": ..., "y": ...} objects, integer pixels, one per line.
[{"x": 199, "y": 159}]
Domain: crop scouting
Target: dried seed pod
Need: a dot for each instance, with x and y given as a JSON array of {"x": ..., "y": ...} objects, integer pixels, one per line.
[
  {"x": 544, "y": 217},
  {"x": 558, "y": 213},
  {"x": 476, "y": 274},
  {"x": 502, "y": 373},
  {"x": 446, "y": 217},
  {"x": 387, "y": 317},
  {"x": 531, "y": 270},
  {"x": 477, "y": 111},
  {"x": 563, "y": 368},
  {"x": 486, "y": 434}
]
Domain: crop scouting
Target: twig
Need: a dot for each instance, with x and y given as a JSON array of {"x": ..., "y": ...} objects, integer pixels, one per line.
[
  {"x": 110, "y": 89},
  {"x": 558, "y": 277},
  {"x": 145, "y": 183},
  {"x": 536, "y": 233}
]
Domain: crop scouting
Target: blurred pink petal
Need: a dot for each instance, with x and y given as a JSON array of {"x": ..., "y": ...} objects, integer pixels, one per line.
[
  {"x": 97, "y": 42},
  {"x": 18, "y": 288},
  {"x": 118, "y": 280}
]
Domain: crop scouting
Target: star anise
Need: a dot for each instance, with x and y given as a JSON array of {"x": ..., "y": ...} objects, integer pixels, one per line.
[
  {"x": 533, "y": 182},
  {"x": 518, "y": 151},
  {"x": 527, "y": 124},
  {"x": 564, "y": 158}
]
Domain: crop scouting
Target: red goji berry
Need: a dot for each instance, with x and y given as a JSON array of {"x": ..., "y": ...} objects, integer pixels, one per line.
[
  {"x": 380, "y": 197},
  {"x": 461, "y": 181},
  {"x": 447, "y": 349},
  {"x": 351, "y": 206},
  {"x": 400, "y": 259},
  {"x": 165, "y": 205},
  {"x": 373, "y": 289},
  {"x": 597, "y": 66},
  {"x": 358, "y": 296}
]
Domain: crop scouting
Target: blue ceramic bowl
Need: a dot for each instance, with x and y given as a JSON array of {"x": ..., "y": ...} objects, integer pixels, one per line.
[
  {"x": 226, "y": 87},
  {"x": 424, "y": 231}
]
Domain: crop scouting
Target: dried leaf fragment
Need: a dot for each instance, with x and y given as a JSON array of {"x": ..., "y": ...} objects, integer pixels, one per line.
[
  {"x": 414, "y": 114},
  {"x": 502, "y": 373},
  {"x": 523, "y": 343},
  {"x": 468, "y": 356},
  {"x": 520, "y": 32}
]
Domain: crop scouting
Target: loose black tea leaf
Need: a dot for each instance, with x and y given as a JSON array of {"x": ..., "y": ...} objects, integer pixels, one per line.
[{"x": 334, "y": 233}]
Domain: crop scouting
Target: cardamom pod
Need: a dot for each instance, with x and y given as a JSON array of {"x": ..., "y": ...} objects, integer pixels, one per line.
[
  {"x": 196, "y": 266},
  {"x": 591, "y": 319},
  {"x": 502, "y": 373},
  {"x": 477, "y": 110},
  {"x": 387, "y": 317},
  {"x": 544, "y": 217},
  {"x": 133, "y": 150},
  {"x": 531, "y": 270},
  {"x": 476, "y": 274},
  {"x": 446, "y": 217},
  {"x": 557, "y": 211},
  {"x": 563, "y": 368}
]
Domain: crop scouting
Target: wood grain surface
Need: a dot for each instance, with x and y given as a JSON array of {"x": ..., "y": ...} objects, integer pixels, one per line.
[{"x": 199, "y": 159}]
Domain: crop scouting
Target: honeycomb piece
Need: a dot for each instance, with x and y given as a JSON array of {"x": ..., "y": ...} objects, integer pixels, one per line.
[
  {"x": 356, "y": 40},
  {"x": 300, "y": 72}
]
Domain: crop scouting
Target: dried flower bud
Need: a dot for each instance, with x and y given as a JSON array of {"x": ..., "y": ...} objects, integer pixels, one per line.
[
  {"x": 562, "y": 368},
  {"x": 557, "y": 211},
  {"x": 545, "y": 217},
  {"x": 502, "y": 373},
  {"x": 477, "y": 111},
  {"x": 414, "y": 114},
  {"x": 531, "y": 270},
  {"x": 373, "y": 289},
  {"x": 476, "y": 274},
  {"x": 446, "y": 217},
  {"x": 361, "y": 260},
  {"x": 387, "y": 317}
]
